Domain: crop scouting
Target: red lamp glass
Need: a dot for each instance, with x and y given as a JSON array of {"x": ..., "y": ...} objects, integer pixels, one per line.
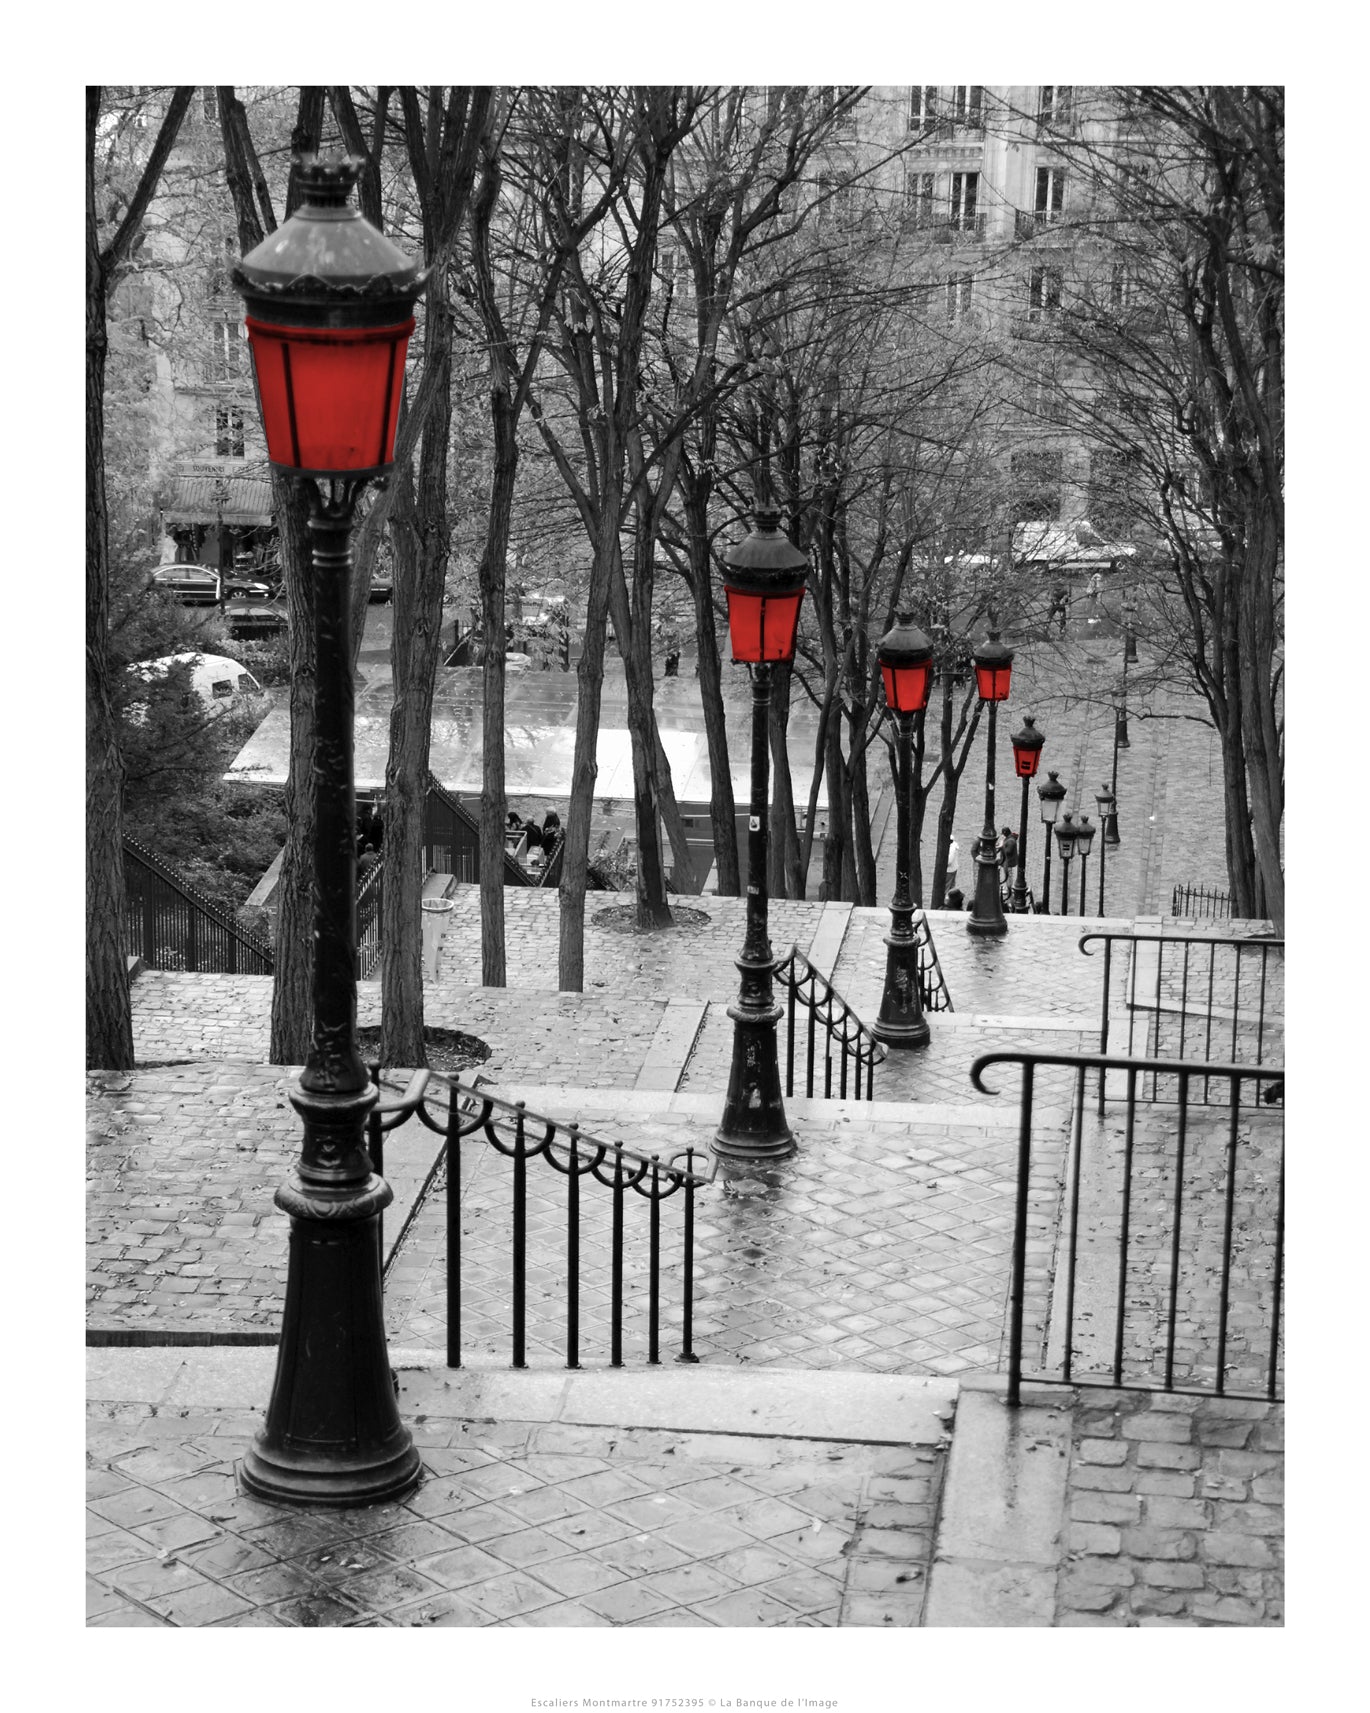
[
  {"x": 993, "y": 663},
  {"x": 329, "y": 302},
  {"x": 905, "y": 655},
  {"x": 1027, "y": 748},
  {"x": 764, "y": 583}
]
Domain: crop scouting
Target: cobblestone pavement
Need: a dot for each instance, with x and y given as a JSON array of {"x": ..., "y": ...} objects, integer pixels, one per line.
[
  {"x": 1176, "y": 1512},
  {"x": 881, "y": 1246},
  {"x": 551, "y": 1037},
  {"x": 514, "y": 1523}
]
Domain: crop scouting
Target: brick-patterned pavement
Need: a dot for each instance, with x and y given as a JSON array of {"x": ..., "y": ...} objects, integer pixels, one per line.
[
  {"x": 1176, "y": 1512},
  {"x": 515, "y": 1523}
]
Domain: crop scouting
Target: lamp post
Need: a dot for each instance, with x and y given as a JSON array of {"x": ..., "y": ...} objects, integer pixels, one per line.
[
  {"x": 764, "y": 583},
  {"x": 1027, "y": 752},
  {"x": 905, "y": 656},
  {"x": 1065, "y": 843},
  {"x": 993, "y": 664},
  {"x": 1050, "y": 797},
  {"x": 1107, "y": 805},
  {"x": 329, "y": 303},
  {"x": 1084, "y": 840},
  {"x": 1129, "y": 630}
]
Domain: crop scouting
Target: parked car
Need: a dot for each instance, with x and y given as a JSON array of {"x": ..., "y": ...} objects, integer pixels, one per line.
[
  {"x": 382, "y": 584},
  {"x": 244, "y": 584},
  {"x": 255, "y": 620},
  {"x": 193, "y": 585}
]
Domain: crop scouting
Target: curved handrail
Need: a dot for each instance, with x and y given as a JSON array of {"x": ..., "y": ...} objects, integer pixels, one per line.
[{"x": 843, "y": 1027}]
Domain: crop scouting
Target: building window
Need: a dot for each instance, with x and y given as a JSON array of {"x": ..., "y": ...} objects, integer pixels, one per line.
[
  {"x": 922, "y": 106},
  {"x": 228, "y": 432},
  {"x": 843, "y": 118},
  {"x": 959, "y": 289},
  {"x": 1036, "y": 486},
  {"x": 920, "y": 191},
  {"x": 967, "y": 104},
  {"x": 1120, "y": 286},
  {"x": 965, "y": 188},
  {"x": 1054, "y": 106},
  {"x": 227, "y": 364},
  {"x": 1044, "y": 293},
  {"x": 210, "y": 99},
  {"x": 1051, "y": 193}
]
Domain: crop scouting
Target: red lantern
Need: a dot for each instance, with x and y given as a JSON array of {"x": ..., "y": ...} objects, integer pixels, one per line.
[
  {"x": 329, "y": 301},
  {"x": 905, "y": 655},
  {"x": 993, "y": 663},
  {"x": 764, "y": 583},
  {"x": 1027, "y": 748}
]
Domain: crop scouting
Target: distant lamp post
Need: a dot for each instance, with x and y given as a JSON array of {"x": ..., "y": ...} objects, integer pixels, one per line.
[
  {"x": 1027, "y": 752},
  {"x": 1108, "y": 804},
  {"x": 993, "y": 663},
  {"x": 1065, "y": 844},
  {"x": 329, "y": 302},
  {"x": 1129, "y": 631},
  {"x": 1050, "y": 796},
  {"x": 1084, "y": 840},
  {"x": 905, "y": 655},
  {"x": 764, "y": 582}
]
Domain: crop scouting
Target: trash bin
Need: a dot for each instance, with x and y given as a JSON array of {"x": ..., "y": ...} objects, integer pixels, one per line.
[{"x": 435, "y": 914}]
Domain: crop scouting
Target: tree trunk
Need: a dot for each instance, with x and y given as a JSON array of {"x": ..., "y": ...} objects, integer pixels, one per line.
[
  {"x": 1264, "y": 762},
  {"x": 589, "y": 685},
  {"x": 722, "y": 803},
  {"x": 786, "y": 878},
  {"x": 634, "y": 637},
  {"x": 494, "y": 801},
  {"x": 109, "y": 1012},
  {"x": 862, "y": 852}
]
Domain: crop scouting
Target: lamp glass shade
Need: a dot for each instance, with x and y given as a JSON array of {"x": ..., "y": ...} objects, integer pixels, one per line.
[
  {"x": 1084, "y": 835},
  {"x": 1050, "y": 796},
  {"x": 763, "y": 626},
  {"x": 330, "y": 397},
  {"x": 907, "y": 687},
  {"x": 1065, "y": 837},
  {"x": 992, "y": 680},
  {"x": 1027, "y": 748}
]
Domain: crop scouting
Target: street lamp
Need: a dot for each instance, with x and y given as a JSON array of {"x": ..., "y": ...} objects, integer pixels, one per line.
[
  {"x": 764, "y": 582},
  {"x": 993, "y": 664},
  {"x": 329, "y": 303},
  {"x": 1108, "y": 803},
  {"x": 1027, "y": 752},
  {"x": 1065, "y": 843},
  {"x": 905, "y": 655},
  {"x": 1084, "y": 840},
  {"x": 1050, "y": 796}
]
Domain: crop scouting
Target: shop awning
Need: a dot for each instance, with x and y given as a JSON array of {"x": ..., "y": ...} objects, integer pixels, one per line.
[{"x": 239, "y": 500}]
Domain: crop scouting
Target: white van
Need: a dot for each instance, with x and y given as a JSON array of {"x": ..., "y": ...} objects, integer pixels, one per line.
[{"x": 218, "y": 681}]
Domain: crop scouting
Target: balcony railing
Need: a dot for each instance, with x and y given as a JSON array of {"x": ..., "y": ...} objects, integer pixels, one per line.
[
  {"x": 946, "y": 228},
  {"x": 1028, "y": 223}
]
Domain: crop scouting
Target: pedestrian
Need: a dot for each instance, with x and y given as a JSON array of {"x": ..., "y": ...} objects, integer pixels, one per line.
[
  {"x": 367, "y": 860},
  {"x": 956, "y": 899},
  {"x": 1060, "y": 605},
  {"x": 1096, "y": 588},
  {"x": 551, "y": 826},
  {"x": 953, "y": 863},
  {"x": 1008, "y": 853}
]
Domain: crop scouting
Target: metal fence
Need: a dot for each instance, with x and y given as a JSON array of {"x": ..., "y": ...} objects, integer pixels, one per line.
[
  {"x": 1193, "y": 995},
  {"x": 844, "y": 1034},
  {"x": 368, "y": 923},
  {"x": 594, "y": 1182},
  {"x": 933, "y": 992},
  {"x": 171, "y": 926},
  {"x": 451, "y": 839},
  {"x": 1197, "y": 902},
  {"x": 1170, "y": 1272}
]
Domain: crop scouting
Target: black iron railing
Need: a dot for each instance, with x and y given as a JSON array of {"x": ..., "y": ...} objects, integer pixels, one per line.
[
  {"x": 369, "y": 893},
  {"x": 451, "y": 839},
  {"x": 1194, "y": 995},
  {"x": 1170, "y": 1275},
  {"x": 845, "y": 1036},
  {"x": 932, "y": 984},
  {"x": 171, "y": 926},
  {"x": 1198, "y": 902},
  {"x": 596, "y": 1228}
]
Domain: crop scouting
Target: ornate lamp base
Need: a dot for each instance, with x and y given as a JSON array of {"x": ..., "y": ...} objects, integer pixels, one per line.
[{"x": 754, "y": 1127}]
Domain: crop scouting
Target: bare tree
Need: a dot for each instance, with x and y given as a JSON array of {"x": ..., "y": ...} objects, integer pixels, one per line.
[{"x": 109, "y": 1016}]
